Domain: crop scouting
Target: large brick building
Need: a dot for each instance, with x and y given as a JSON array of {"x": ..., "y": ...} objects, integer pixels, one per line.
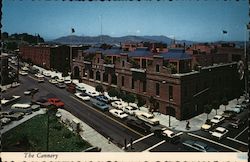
[
  {"x": 168, "y": 77},
  {"x": 55, "y": 57}
]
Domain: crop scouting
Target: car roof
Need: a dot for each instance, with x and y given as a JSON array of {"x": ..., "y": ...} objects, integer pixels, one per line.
[{"x": 220, "y": 128}]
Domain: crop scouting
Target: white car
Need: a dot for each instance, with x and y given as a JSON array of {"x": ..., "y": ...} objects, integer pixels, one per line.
[
  {"x": 130, "y": 110},
  {"x": 23, "y": 73},
  {"x": 147, "y": 117},
  {"x": 7, "y": 100},
  {"x": 219, "y": 132},
  {"x": 60, "y": 80},
  {"x": 25, "y": 68},
  {"x": 92, "y": 94},
  {"x": 53, "y": 81},
  {"x": 82, "y": 96},
  {"x": 118, "y": 113},
  {"x": 117, "y": 104},
  {"x": 67, "y": 81},
  {"x": 217, "y": 119},
  {"x": 237, "y": 110},
  {"x": 80, "y": 88}
]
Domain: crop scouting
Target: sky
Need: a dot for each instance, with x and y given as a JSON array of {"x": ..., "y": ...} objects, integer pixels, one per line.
[{"x": 192, "y": 20}]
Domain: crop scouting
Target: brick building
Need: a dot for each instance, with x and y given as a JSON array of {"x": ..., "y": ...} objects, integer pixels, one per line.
[
  {"x": 50, "y": 57},
  {"x": 168, "y": 77}
]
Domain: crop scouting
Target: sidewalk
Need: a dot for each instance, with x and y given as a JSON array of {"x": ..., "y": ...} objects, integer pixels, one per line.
[
  {"x": 90, "y": 135},
  {"x": 195, "y": 122}
]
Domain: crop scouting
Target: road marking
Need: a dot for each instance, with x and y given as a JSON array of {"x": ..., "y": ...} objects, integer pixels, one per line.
[
  {"x": 237, "y": 141},
  {"x": 214, "y": 142},
  {"x": 150, "y": 148},
  {"x": 240, "y": 133},
  {"x": 139, "y": 140},
  {"x": 107, "y": 116}
]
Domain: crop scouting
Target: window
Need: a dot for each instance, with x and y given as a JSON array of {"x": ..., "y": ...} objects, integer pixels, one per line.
[
  {"x": 133, "y": 84},
  {"x": 122, "y": 80},
  {"x": 144, "y": 88},
  {"x": 98, "y": 60},
  {"x": 170, "y": 91},
  {"x": 157, "y": 68},
  {"x": 105, "y": 77},
  {"x": 157, "y": 89},
  {"x": 91, "y": 74},
  {"x": 98, "y": 76},
  {"x": 123, "y": 63}
]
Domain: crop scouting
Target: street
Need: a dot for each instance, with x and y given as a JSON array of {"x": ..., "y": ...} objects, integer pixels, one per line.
[{"x": 118, "y": 131}]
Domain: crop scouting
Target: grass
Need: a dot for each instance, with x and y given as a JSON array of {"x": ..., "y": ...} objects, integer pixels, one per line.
[{"x": 32, "y": 136}]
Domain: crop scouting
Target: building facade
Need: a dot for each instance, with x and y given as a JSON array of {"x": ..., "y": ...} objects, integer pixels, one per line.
[{"x": 168, "y": 77}]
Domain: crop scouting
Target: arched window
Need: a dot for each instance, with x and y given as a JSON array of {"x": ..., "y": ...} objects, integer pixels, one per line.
[
  {"x": 76, "y": 72},
  {"x": 98, "y": 76}
]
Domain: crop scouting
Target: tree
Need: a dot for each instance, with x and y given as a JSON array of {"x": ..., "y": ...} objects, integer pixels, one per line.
[
  {"x": 207, "y": 109},
  {"x": 141, "y": 101},
  {"x": 130, "y": 98},
  {"x": 113, "y": 92},
  {"x": 99, "y": 88},
  {"x": 216, "y": 105},
  {"x": 225, "y": 102}
]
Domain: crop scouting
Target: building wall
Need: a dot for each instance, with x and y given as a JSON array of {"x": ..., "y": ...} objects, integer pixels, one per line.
[
  {"x": 49, "y": 57},
  {"x": 190, "y": 91}
]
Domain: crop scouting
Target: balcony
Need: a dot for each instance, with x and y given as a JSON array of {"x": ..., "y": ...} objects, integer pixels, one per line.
[
  {"x": 86, "y": 62},
  {"x": 109, "y": 65}
]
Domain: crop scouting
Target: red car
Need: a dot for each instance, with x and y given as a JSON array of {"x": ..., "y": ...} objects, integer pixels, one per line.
[{"x": 56, "y": 102}]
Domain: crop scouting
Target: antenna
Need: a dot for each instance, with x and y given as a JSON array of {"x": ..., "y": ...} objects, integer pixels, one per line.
[{"x": 101, "y": 30}]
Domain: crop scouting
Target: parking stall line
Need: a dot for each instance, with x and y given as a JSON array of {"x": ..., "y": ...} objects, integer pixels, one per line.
[
  {"x": 214, "y": 142},
  {"x": 241, "y": 133},
  {"x": 150, "y": 148},
  {"x": 235, "y": 140},
  {"x": 107, "y": 116},
  {"x": 138, "y": 140}
]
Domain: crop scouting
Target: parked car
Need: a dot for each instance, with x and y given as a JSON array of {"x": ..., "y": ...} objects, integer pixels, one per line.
[
  {"x": 100, "y": 105},
  {"x": 82, "y": 96},
  {"x": 56, "y": 102},
  {"x": 138, "y": 125},
  {"x": 71, "y": 88},
  {"x": 5, "y": 121},
  {"x": 237, "y": 110},
  {"x": 118, "y": 113},
  {"x": 9, "y": 99},
  {"x": 207, "y": 125},
  {"x": 23, "y": 73},
  {"x": 92, "y": 93},
  {"x": 42, "y": 102},
  {"x": 117, "y": 104},
  {"x": 167, "y": 134},
  {"x": 237, "y": 122},
  {"x": 80, "y": 89},
  {"x": 219, "y": 132},
  {"x": 217, "y": 119},
  {"x": 130, "y": 110},
  {"x": 67, "y": 81},
  {"x": 53, "y": 81},
  {"x": 35, "y": 107},
  {"x": 60, "y": 80},
  {"x": 198, "y": 146},
  {"x": 31, "y": 90},
  {"x": 102, "y": 98},
  {"x": 147, "y": 117},
  {"x": 61, "y": 85},
  {"x": 228, "y": 114}
]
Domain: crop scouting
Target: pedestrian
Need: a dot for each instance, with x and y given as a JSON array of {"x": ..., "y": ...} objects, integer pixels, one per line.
[
  {"x": 187, "y": 125},
  {"x": 109, "y": 140},
  {"x": 131, "y": 143},
  {"x": 125, "y": 144}
]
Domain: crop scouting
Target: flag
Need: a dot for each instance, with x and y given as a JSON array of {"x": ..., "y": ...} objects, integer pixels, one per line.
[
  {"x": 224, "y": 32},
  {"x": 72, "y": 30},
  {"x": 248, "y": 26}
]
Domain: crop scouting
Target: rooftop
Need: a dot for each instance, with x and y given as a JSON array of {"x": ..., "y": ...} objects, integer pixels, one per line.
[{"x": 176, "y": 53}]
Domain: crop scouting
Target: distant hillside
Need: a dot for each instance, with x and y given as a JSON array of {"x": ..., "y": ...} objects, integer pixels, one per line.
[{"x": 114, "y": 40}]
